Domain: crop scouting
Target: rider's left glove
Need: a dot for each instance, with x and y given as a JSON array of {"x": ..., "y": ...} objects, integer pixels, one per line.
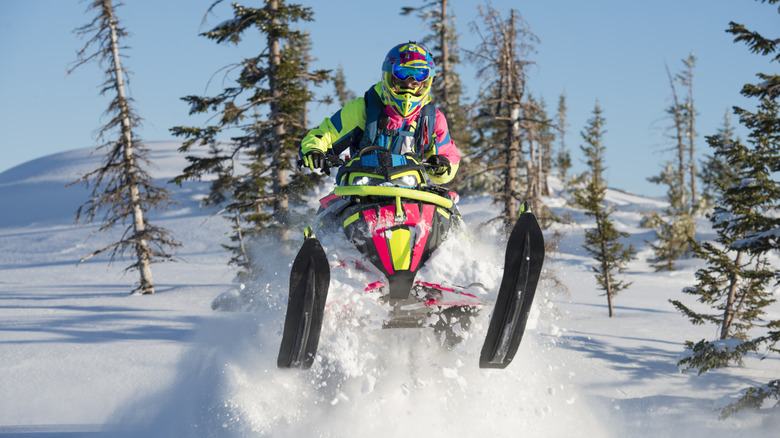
[
  {"x": 314, "y": 160},
  {"x": 438, "y": 165}
]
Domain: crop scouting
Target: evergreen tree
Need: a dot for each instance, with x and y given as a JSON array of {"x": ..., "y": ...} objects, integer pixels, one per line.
[
  {"x": 715, "y": 174},
  {"x": 503, "y": 58},
  {"x": 737, "y": 275},
  {"x": 343, "y": 94},
  {"x": 674, "y": 225},
  {"x": 563, "y": 159},
  {"x": 738, "y": 281},
  {"x": 603, "y": 241},
  {"x": 121, "y": 188},
  {"x": 301, "y": 47},
  {"x": 263, "y": 111}
]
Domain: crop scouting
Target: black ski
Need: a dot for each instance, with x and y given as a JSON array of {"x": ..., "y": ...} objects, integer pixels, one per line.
[
  {"x": 309, "y": 281},
  {"x": 522, "y": 267}
]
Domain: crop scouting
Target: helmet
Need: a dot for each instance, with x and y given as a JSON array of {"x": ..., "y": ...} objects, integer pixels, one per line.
[{"x": 402, "y": 61}]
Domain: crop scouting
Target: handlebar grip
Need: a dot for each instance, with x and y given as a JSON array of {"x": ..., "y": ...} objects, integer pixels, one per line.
[{"x": 331, "y": 160}]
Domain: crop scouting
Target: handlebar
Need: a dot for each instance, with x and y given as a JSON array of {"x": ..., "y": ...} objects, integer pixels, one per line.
[{"x": 333, "y": 160}]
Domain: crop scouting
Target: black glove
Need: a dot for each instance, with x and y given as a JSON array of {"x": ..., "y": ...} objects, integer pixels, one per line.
[
  {"x": 315, "y": 160},
  {"x": 438, "y": 165}
]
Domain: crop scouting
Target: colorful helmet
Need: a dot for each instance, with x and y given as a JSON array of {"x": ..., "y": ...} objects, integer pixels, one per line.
[{"x": 404, "y": 60}]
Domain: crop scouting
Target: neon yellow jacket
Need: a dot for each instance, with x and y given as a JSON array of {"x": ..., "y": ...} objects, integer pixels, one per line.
[{"x": 353, "y": 115}]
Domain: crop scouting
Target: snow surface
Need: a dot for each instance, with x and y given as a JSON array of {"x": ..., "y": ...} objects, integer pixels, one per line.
[{"x": 81, "y": 357}]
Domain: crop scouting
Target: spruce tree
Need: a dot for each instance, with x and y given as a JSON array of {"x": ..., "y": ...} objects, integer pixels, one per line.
[
  {"x": 343, "y": 94},
  {"x": 735, "y": 281},
  {"x": 738, "y": 281},
  {"x": 121, "y": 189},
  {"x": 563, "y": 159},
  {"x": 715, "y": 174},
  {"x": 263, "y": 113},
  {"x": 603, "y": 241},
  {"x": 674, "y": 226}
]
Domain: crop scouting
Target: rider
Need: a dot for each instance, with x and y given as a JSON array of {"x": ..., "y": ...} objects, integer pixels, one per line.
[{"x": 401, "y": 122}]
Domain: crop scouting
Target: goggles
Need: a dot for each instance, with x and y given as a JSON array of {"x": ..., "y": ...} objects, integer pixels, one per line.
[{"x": 418, "y": 74}]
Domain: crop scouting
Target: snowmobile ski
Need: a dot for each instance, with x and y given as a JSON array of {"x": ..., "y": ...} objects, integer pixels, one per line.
[
  {"x": 309, "y": 281},
  {"x": 522, "y": 267}
]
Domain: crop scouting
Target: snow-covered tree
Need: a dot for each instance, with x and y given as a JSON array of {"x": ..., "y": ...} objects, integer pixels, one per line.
[
  {"x": 603, "y": 241},
  {"x": 121, "y": 189},
  {"x": 738, "y": 281},
  {"x": 674, "y": 225}
]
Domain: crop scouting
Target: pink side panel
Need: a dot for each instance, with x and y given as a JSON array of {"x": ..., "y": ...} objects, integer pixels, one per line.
[
  {"x": 423, "y": 227},
  {"x": 378, "y": 236}
]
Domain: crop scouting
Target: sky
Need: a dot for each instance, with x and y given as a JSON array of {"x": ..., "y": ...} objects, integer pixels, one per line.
[{"x": 615, "y": 52}]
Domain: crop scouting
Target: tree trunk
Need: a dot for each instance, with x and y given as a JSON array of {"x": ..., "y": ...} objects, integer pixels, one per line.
[
  {"x": 540, "y": 170},
  {"x": 532, "y": 173},
  {"x": 729, "y": 313},
  {"x": 608, "y": 283},
  {"x": 691, "y": 134},
  {"x": 445, "y": 55},
  {"x": 678, "y": 127},
  {"x": 562, "y": 130},
  {"x": 142, "y": 250},
  {"x": 514, "y": 143},
  {"x": 513, "y": 165},
  {"x": 279, "y": 175}
]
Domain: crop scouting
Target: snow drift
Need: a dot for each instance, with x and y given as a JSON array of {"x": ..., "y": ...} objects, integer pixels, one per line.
[{"x": 80, "y": 355}]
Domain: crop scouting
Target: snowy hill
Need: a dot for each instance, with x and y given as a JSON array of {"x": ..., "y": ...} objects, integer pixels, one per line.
[{"x": 80, "y": 357}]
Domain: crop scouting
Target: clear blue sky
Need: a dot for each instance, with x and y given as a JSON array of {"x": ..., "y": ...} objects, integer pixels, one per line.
[{"x": 611, "y": 50}]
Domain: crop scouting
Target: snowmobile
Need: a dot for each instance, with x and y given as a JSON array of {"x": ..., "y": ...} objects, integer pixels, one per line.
[{"x": 396, "y": 220}]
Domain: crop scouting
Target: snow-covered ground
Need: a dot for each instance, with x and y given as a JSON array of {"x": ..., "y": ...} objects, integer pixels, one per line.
[{"x": 81, "y": 357}]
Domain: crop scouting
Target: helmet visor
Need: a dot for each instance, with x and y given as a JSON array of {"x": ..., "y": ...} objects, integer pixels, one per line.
[{"x": 418, "y": 74}]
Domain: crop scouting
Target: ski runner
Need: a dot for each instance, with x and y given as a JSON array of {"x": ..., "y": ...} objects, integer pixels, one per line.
[{"x": 395, "y": 113}]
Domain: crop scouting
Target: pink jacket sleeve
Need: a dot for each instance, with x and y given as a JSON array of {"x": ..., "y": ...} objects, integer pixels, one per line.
[{"x": 443, "y": 144}]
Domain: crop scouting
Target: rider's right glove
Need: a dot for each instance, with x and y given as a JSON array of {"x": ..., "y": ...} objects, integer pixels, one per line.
[{"x": 314, "y": 160}]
